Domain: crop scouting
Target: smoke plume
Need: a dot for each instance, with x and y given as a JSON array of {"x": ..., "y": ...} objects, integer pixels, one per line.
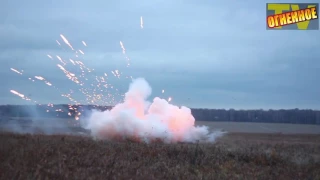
[{"x": 139, "y": 120}]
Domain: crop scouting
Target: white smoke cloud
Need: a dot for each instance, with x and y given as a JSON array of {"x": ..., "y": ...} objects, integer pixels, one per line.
[{"x": 140, "y": 120}]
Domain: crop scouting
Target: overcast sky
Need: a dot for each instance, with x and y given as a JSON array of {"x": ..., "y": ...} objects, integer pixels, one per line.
[{"x": 208, "y": 54}]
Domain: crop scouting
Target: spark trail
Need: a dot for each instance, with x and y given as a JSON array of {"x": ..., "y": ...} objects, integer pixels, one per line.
[
  {"x": 124, "y": 52},
  {"x": 141, "y": 22},
  {"x": 99, "y": 93},
  {"x": 66, "y": 41}
]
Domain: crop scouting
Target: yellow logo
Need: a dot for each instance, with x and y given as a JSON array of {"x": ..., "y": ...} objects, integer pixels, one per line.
[{"x": 302, "y": 16}]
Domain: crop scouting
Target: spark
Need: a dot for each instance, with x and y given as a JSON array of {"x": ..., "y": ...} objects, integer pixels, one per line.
[
  {"x": 20, "y": 95},
  {"x": 14, "y": 70},
  {"x": 72, "y": 61},
  {"x": 84, "y": 43},
  {"x": 31, "y": 79},
  {"x": 66, "y": 41},
  {"x": 122, "y": 47},
  {"x": 49, "y": 56},
  {"x": 60, "y": 59},
  {"x": 81, "y": 52},
  {"x": 17, "y": 93},
  {"x": 58, "y": 42},
  {"x": 70, "y": 75},
  {"x": 169, "y": 99},
  {"x": 116, "y": 73},
  {"x": 141, "y": 22},
  {"x": 163, "y": 91},
  {"x": 39, "y": 78},
  {"x": 124, "y": 52}
]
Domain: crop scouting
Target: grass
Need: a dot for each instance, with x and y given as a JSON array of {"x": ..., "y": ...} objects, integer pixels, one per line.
[{"x": 234, "y": 156}]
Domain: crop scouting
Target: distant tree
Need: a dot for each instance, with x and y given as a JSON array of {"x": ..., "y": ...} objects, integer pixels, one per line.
[{"x": 295, "y": 116}]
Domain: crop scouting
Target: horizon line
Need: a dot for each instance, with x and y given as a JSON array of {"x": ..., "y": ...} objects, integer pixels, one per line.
[{"x": 178, "y": 106}]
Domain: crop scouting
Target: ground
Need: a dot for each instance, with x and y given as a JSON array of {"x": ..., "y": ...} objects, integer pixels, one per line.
[
  {"x": 233, "y": 156},
  {"x": 249, "y": 127}
]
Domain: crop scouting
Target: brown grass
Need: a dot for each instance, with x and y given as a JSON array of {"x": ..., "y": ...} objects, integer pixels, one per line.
[{"x": 234, "y": 156}]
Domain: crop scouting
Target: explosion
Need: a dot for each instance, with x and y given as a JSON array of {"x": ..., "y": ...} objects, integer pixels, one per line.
[
  {"x": 135, "y": 118},
  {"x": 142, "y": 121}
]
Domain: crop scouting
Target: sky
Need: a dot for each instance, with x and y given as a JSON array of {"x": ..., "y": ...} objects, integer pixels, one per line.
[{"x": 204, "y": 54}]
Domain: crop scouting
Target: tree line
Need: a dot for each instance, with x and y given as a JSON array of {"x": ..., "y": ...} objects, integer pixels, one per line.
[{"x": 295, "y": 116}]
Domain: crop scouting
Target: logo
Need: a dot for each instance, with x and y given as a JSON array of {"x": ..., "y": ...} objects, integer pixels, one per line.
[{"x": 298, "y": 16}]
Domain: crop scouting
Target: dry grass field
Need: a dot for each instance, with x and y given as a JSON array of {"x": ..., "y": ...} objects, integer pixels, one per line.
[
  {"x": 247, "y": 127},
  {"x": 234, "y": 156}
]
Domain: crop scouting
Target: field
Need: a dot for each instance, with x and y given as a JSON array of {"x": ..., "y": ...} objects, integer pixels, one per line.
[
  {"x": 246, "y": 127},
  {"x": 234, "y": 156},
  {"x": 63, "y": 125}
]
